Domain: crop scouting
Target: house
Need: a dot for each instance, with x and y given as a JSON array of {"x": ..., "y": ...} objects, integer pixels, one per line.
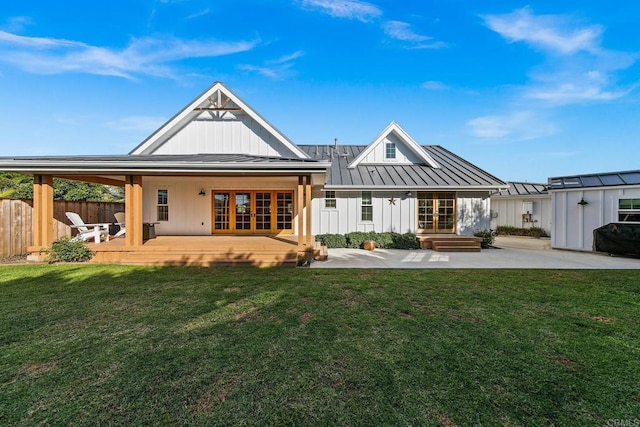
[
  {"x": 218, "y": 168},
  {"x": 522, "y": 205},
  {"x": 582, "y": 203}
]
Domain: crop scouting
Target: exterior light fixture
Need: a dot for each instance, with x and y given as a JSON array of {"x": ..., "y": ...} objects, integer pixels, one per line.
[
  {"x": 583, "y": 202},
  {"x": 202, "y": 193},
  {"x": 408, "y": 194}
]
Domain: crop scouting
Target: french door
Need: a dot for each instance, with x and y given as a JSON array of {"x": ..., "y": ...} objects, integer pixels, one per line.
[
  {"x": 436, "y": 212},
  {"x": 252, "y": 212}
]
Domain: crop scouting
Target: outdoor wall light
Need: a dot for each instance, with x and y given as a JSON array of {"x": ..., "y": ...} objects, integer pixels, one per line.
[
  {"x": 583, "y": 202},
  {"x": 202, "y": 193},
  {"x": 408, "y": 194}
]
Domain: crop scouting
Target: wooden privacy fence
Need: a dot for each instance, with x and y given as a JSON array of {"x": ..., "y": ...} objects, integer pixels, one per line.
[{"x": 16, "y": 218}]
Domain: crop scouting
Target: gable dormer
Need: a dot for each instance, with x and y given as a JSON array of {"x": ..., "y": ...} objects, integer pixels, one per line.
[
  {"x": 219, "y": 122},
  {"x": 394, "y": 147}
]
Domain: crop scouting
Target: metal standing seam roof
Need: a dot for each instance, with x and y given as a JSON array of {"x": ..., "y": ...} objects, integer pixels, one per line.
[
  {"x": 523, "y": 189},
  {"x": 610, "y": 179},
  {"x": 453, "y": 171},
  {"x": 202, "y": 162}
]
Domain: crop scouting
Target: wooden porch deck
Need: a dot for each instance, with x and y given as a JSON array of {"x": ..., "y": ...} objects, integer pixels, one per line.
[{"x": 263, "y": 251}]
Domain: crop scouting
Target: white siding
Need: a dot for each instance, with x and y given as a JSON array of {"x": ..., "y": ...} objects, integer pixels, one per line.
[
  {"x": 573, "y": 224},
  {"x": 190, "y": 213},
  {"x": 346, "y": 217},
  {"x": 472, "y": 212},
  {"x": 509, "y": 212},
  {"x": 403, "y": 154},
  {"x": 231, "y": 135}
]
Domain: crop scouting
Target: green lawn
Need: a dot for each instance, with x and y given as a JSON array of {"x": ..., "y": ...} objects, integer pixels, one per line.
[{"x": 87, "y": 345}]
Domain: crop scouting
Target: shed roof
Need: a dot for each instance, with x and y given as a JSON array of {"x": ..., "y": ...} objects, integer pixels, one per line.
[
  {"x": 523, "y": 189},
  {"x": 607, "y": 179},
  {"x": 453, "y": 173}
]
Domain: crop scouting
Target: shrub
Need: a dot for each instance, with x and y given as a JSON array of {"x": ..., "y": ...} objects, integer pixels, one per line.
[
  {"x": 357, "y": 238},
  {"x": 332, "y": 240},
  {"x": 383, "y": 240},
  {"x": 488, "y": 237},
  {"x": 509, "y": 230},
  {"x": 405, "y": 241},
  {"x": 66, "y": 250}
]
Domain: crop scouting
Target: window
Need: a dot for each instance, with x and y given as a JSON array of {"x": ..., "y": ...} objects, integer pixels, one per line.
[
  {"x": 163, "y": 205},
  {"x": 629, "y": 210},
  {"x": 367, "y": 207},
  {"x": 390, "y": 150},
  {"x": 330, "y": 199}
]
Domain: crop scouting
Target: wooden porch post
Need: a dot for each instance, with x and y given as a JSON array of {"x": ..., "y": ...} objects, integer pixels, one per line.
[
  {"x": 300, "y": 211},
  {"x": 42, "y": 210},
  {"x": 133, "y": 210},
  {"x": 307, "y": 192}
]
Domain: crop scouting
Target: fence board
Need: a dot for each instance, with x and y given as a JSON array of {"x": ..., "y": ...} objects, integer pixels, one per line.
[{"x": 16, "y": 221}]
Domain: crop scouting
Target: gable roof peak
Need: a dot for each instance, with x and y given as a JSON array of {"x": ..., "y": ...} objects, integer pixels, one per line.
[
  {"x": 404, "y": 137},
  {"x": 216, "y": 97}
]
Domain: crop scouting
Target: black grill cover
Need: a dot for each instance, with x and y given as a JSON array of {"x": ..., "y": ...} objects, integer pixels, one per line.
[{"x": 617, "y": 238}]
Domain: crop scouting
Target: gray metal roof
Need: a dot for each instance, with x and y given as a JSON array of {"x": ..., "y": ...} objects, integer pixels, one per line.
[
  {"x": 610, "y": 179},
  {"x": 523, "y": 189},
  {"x": 158, "y": 163},
  {"x": 454, "y": 172}
]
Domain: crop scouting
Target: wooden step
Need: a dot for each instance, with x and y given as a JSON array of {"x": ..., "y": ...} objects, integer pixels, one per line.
[
  {"x": 445, "y": 248},
  {"x": 209, "y": 258}
]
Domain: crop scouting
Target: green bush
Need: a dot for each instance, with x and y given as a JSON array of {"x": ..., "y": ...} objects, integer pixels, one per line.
[
  {"x": 509, "y": 230},
  {"x": 357, "y": 238},
  {"x": 405, "y": 241},
  {"x": 66, "y": 250},
  {"x": 332, "y": 240},
  {"x": 487, "y": 236}
]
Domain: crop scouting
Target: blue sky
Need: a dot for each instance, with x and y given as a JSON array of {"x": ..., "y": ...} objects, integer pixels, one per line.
[{"x": 523, "y": 90}]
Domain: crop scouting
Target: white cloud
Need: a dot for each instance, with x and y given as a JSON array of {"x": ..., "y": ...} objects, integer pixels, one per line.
[
  {"x": 550, "y": 32},
  {"x": 42, "y": 55},
  {"x": 203, "y": 12},
  {"x": 577, "y": 69},
  {"x": 517, "y": 126},
  {"x": 434, "y": 85},
  {"x": 402, "y": 31},
  {"x": 276, "y": 69},
  {"x": 351, "y": 9}
]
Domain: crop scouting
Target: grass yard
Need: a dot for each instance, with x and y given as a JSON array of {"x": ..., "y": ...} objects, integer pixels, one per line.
[{"x": 98, "y": 344}]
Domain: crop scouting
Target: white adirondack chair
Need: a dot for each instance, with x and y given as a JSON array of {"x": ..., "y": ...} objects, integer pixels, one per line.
[
  {"x": 119, "y": 216},
  {"x": 88, "y": 231}
]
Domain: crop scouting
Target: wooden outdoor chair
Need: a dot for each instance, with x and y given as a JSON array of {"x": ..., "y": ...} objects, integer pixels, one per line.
[
  {"x": 87, "y": 231},
  {"x": 120, "y": 218}
]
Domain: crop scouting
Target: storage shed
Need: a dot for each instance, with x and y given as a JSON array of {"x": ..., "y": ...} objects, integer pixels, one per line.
[{"x": 582, "y": 203}]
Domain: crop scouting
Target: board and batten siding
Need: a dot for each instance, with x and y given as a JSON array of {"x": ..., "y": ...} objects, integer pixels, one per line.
[
  {"x": 508, "y": 211},
  {"x": 404, "y": 155},
  {"x": 573, "y": 224},
  {"x": 190, "y": 213},
  {"x": 472, "y": 213},
  {"x": 229, "y": 135}
]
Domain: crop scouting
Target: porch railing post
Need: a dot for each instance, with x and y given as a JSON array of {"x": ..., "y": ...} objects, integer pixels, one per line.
[
  {"x": 42, "y": 210},
  {"x": 133, "y": 210}
]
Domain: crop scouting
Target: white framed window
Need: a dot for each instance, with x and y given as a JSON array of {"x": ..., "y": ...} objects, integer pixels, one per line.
[
  {"x": 330, "y": 199},
  {"x": 629, "y": 210},
  {"x": 390, "y": 151},
  {"x": 366, "y": 207},
  {"x": 163, "y": 205}
]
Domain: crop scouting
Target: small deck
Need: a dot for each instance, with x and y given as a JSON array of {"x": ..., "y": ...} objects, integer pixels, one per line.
[
  {"x": 449, "y": 243},
  {"x": 263, "y": 251}
]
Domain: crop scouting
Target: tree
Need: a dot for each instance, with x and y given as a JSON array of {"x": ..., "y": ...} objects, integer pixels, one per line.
[{"x": 20, "y": 186}]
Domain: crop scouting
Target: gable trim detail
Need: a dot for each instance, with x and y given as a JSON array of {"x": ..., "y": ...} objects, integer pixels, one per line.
[
  {"x": 193, "y": 109},
  {"x": 404, "y": 137}
]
